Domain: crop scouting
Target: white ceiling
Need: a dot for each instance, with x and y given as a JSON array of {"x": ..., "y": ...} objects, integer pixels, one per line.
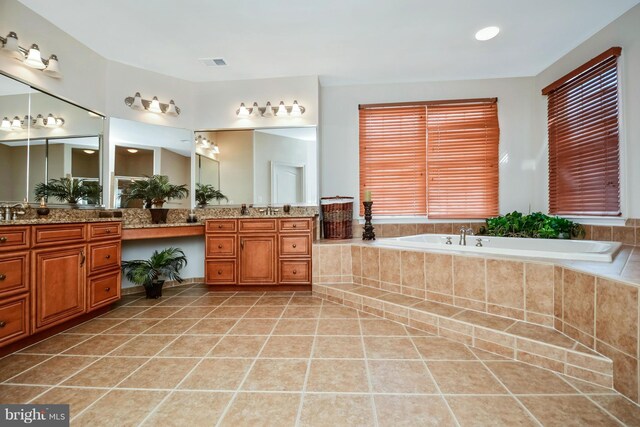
[{"x": 342, "y": 41}]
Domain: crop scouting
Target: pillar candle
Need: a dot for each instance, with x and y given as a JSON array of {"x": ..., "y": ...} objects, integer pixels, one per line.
[{"x": 367, "y": 196}]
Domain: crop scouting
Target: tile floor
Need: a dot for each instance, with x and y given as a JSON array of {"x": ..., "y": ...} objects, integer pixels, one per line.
[{"x": 198, "y": 358}]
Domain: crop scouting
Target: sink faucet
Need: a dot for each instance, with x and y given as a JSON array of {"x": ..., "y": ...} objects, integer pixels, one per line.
[
  {"x": 463, "y": 235},
  {"x": 9, "y": 209}
]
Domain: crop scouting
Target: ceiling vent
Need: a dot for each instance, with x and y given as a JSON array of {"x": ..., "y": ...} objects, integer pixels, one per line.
[{"x": 213, "y": 62}]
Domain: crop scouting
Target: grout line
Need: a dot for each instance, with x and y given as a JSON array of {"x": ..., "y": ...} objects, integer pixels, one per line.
[{"x": 368, "y": 372}]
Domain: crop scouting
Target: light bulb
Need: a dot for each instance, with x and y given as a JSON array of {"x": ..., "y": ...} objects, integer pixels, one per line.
[
  {"x": 132, "y": 150},
  {"x": 487, "y": 33},
  {"x": 50, "y": 121},
  {"x": 11, "y": 47},
  {"x": 53, "y": 67},
  {"x": 154, "y": 107},
  {"x": 16, "y": 124},
  {"x": 215, "y": 149},
  {"x": 6, "y": 125},
  {"x": 39, "y": 123},
  {"x": 243, "y": 112},
  {"x": 137, "y": 102},
  {"x": 282, "y": 110},
  {"x": 295, "y": 110},
  {"x": 89, "y": 151},
  {"x": 34, "y": 60},
  {"x": 171, "y": 109},
  {"x": 268, "y": 110},
  {"x": 255, "y": 111}
]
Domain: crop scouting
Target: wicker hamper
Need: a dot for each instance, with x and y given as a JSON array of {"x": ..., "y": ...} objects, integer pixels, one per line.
[{"x": 337, "y": 217}]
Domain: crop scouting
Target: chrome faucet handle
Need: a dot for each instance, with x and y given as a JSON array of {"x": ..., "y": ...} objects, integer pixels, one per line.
[
  {"x": 448, "y": 242},
  {"x": 479, "y": 242}
]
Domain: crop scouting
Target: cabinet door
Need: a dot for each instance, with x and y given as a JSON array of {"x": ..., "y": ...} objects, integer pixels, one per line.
[
  {"x": 258, "y": 260},
  {"x": 59, "y": 285}
]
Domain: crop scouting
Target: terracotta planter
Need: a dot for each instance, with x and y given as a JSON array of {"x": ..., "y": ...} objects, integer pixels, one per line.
[{"x": 159, "y": 216}]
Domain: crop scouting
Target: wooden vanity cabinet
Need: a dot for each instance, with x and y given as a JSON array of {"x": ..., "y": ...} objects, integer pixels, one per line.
[
  {"x": 267, "y": 251},
  {"x": 104, "y": 257},
  {"x": 14, "y": 284}
]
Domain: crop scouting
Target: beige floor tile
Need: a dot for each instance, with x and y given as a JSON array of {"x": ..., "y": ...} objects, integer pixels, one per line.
[
  {"x": 338, "y": 347},
  {"x": 56, "y": 344},
  {"x": 160, "y": 373},
  {"x": 339, "y": 327},
  {"x": 412, "y": 411},
  {"x": 209, "y": 301},
  {"x": 540, "y": 333},
  {"x": 390, "y": 348},
  {"x": 621, "y": 408},
  {"x": 329, "y": 410},
  {"x": 121, "y": 407},
  {"x": 189, "y": 408},
  {"x": 338, "y": 376},
  {"x": 238, "y": 346},
  {"x": 437, "y": 308},
  {"x": 464, "y": 378},
  {"x": 586, "y": 387},
  {"x": 192, "y": 312},
  {"x": 17, "y": 394},
  {"x": 212, "y": 326},
  {"x": 106, "y": 372},
  {"x": 276, "y": 375},
  {"x": 157, "y": 312},
  {"x": 271, "y": 300},
  {"x": 143, "y": 345},
  {"x": 288, "y": 347},
  {"x": 123, "y": 313},
  {"x": 483, "y": 319},
  {"x": 566, "y": 411},
  {"x": 489, "y": 411},
  {"x": 99, "y": 345},
  {"x": 263, "y": 410},
  {"x": 295, "y": 327},
  {"x": 305, "y": 300},
  {"x": 436, "y": 348},
  {"x": 251, "y": 327},
  {"x": 190, "y": 346},
  {"x": 14, "y": 364},
  {"x": 382, "y": 327},
  {"x": 172, "y": 326},
  {"x": 144, "y": 302},
  {"x": 241, "y": 300},
  {"x": 399, "y": 376},
  {"x": 217, "y": 374},
  {"x": 94, "y": 326},
  {"x": 77, "y": 398},
  {"x": 265, "y": 312},
  {"x": 485, "y": 355},
  {"x": 228, "y": 312},
  {"x": 53, "y": 370},
  {"x": 337, "y": 312},
  {"x": 179, "y": 301},
  {"x": 525, "y": 379},
  {"x": 131, "y": 327}
]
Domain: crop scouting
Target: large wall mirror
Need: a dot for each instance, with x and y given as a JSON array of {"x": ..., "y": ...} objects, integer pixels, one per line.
[
  {"x": 140, "y": 150},
  {"x": 260, "y": 166},
  {"x": 48, "y": 148}
]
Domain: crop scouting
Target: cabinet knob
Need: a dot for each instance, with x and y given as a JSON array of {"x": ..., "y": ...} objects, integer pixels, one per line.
[
  {"x": 108, "y": 256},
  {"x": 108, "y": 230},
  {"x": 295, "y": 272},
  {"x": 294, "y": 245},
  {"x": 3, "y": 323},
  {"x": 220, "y": 246},
  {"x": 219, "y": 272},
  {"x": 3, "y": 239},
  {"x": 219, "y": 225},
  {"x": 295, "y": 225},
  {"x": 2, "y": 276},
  {"x": 107, "y": 289}
]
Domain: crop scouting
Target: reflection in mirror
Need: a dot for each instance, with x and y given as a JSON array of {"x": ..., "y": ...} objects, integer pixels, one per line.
[
  {"x": 141, "y": 150},
  {"x": 14, "y": 144},
  {"x": 262, "y": 166}
]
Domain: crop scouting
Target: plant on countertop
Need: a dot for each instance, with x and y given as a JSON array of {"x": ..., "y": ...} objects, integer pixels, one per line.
[
  {"x": 154, "y": 191},
  {"x": 206, "y": 192},
  {"x": 69, "y": 190},
  {"x": 535, "y": 225},
  {"x": 151, "y": 273}
]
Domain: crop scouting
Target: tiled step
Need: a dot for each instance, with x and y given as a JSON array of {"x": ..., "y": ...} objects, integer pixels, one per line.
[{"x": 518, "y": 340}]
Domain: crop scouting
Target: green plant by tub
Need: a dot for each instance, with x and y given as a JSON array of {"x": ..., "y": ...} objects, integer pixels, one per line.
[{"x": 534, "y": 225}]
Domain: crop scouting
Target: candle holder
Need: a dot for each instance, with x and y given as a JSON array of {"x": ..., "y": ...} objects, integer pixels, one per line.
[{"x": 368, "y": 227}]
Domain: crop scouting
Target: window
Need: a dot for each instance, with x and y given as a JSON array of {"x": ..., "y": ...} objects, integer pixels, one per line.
[
  {"x": 435, "y": 158},
  {"x": 584, "y": 151}
]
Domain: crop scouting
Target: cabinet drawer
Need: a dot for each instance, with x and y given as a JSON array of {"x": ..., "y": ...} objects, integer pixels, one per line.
[
  {"x": 295, "y": 224},
  {"x": 14, "y": 319},
  {"x": 104, "y": 256},
  {"x": 295, "y": 271},
  {"x": 298, "y": 245},
  {"x": 221, "y": 246},
  {"x": 104, "y": 290},
  {"x": 14, "y": 273},
  {"x": 220, "y": 272},
  {"x": 55, "y": 234},
  {"x": 221, "y": 226},
  {"x": 14, "y": 238},
  {"x": 261, "y": 225},
  {"x": 105, "y": 230}
]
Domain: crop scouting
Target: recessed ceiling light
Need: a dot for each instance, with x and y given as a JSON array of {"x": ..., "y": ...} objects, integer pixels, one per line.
[
  {"x": 132, "y": 150},
  {"x": 487, "y": 33},
  {"x": 89, "y": 151}
]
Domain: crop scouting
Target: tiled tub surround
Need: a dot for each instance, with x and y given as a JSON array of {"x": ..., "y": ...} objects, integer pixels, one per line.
[
  {"x": 201, "y": 358},
  {"x": 505, "y": 306}
]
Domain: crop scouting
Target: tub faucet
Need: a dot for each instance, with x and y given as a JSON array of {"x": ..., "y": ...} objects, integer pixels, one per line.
[{"x": 463, "y": 235}]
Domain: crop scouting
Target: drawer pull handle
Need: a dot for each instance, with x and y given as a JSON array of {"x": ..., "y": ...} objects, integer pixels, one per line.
[
  {"x": 295, "y": 272},
  {"x": 219, "y": 225},
  {"x": 219, "y": 272},
  {"x": 294, "y": 245},
  {"x": 3, "y": 323},
  {"x": 108, "y": 231},
  {"x": 108, "y": 256},
  {"x": 3, "y": 276},
  {"x": 82, "y": 258},
  {"x": 219, "y": 246},
  {"x": 107, "y": 289},
  {"x": 295, "y": 225},
  {"x": 3, "y": 239}
]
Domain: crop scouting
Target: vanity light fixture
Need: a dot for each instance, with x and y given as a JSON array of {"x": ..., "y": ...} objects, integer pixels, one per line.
[
  {"x": 31, "y": 57},
  {"x": 39, "y": 122},
  {"x": 89, "y": 151},
  {"x": 132, "y": 150},
  {"x": 295, "y": 110},
  {"x": 136, "y": 102},
  {"x": 16, "y": 123},
  {"x": 487, "y": 33},
  {"x": 5, "y": 125}
]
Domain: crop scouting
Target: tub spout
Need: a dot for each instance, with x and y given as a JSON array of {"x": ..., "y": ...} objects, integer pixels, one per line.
[{"x": 464, "y": 232}]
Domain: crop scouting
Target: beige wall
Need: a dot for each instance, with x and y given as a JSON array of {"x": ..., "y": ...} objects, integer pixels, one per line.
[
  {"x": 236, "y": 165},
  {"x": 178, "y": 169},
  {"x": 138, "y": 164}
]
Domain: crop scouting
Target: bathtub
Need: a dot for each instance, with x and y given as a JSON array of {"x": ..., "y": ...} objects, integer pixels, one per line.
[{"x": 579, "y": 250}]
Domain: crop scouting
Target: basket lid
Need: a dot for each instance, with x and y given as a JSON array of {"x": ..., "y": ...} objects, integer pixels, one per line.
[{"x": 336, "y": 199}]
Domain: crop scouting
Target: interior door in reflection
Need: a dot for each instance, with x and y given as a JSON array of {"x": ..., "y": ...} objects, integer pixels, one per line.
[{"x": 288, "y": 183}]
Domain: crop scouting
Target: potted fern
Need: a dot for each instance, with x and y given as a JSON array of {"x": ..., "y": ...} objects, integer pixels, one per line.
[
  {"x": 206, "y": 192},
  {"x": 152, "y": 273},
  {"x": 155, "y": 192},
  {"x": 69, "y": 190}
]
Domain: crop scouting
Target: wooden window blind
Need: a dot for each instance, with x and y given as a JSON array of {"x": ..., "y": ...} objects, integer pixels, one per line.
[
  {"x": 584, "y": 152},
  {"x": 392, "y": 159},
  {"x": 462, "y": 160}
]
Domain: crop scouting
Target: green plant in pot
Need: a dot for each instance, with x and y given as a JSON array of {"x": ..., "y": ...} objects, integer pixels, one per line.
[
  {"x": 69, "y": 190},
  {"x": 155, "y": 192},
  {"x": 152, "y": 273},
  {"x": 535, "y": 225},
  {"x": 206, "y": 192}
]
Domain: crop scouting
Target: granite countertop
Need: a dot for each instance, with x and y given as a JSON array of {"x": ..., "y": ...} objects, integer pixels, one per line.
[
  {"x": 126, "y": 226},
  {"x": 45, "y": 221}
]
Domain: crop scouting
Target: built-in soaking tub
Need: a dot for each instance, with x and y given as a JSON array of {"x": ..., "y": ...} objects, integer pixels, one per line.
[{"x": 579, "y": 250}]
